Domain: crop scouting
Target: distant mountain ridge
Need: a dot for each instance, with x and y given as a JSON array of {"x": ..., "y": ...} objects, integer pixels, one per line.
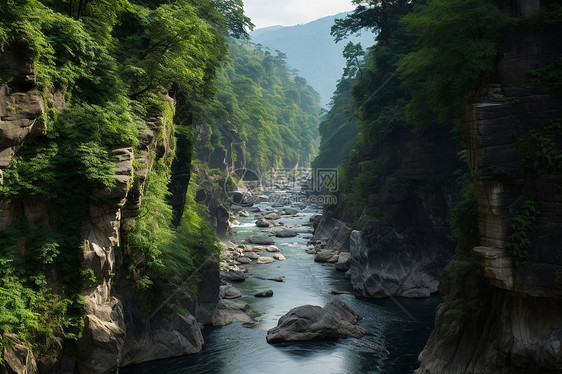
[{"x": 312, "y": 51}]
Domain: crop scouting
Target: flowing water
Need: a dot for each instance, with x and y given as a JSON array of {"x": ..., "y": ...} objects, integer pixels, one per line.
[{"x": 398, "y": 328}]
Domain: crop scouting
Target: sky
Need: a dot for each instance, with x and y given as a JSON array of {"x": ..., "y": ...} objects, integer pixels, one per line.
[{"x": 266, "y": 13}]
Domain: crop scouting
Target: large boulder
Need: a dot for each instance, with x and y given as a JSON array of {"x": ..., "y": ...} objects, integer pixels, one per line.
[
  {"x": 272, "y": 216},
  {"x": 344, "y": 261},
  {"x": 229, "y": 292},
  {"x": 326, "y": 255},
  {"x": 285, "y": 233},
  {"x": 311, "y": 322},
  {"x": 229, "y": 311},
  {"x": 266, "y": 293},
  {"x": 263, "y": 223},
  {"x": 265, "y": 260},
  {"x": 272, "y": 248},
  {"x": 260, "y": 239},
  {"x": 178, "y": 335},
  {"x": 232, "y": 276}
]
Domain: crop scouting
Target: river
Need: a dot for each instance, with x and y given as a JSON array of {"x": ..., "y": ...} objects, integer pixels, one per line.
[{"x": 392, "y": 346}]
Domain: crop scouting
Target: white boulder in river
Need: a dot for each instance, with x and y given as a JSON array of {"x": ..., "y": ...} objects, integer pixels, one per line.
[{"x": 311, "y": 322}]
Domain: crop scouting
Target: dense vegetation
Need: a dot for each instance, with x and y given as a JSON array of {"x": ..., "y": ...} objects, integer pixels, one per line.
[
  {"x": 117, "y": 63},
  {"x": 410, "y": 85},
  {"x": 262, "y": 111}
]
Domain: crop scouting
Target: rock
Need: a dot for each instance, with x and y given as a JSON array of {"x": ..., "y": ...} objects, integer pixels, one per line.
[
  {"x": 18, "y": 358},
  {"x": 272, "y": 216},
  {"x": 229, "y": 311},
  {"x": 266, "y": 293},
  {"x": 265, "y": 260},
  {"x": 289, "y": 212},
  {"x": 275, "y": 279},
  {"x": 309, "y": 322},
  {"x": 251, "y": 255},
  {"x": 208, "y": 293},
  {"x": 333, "y": 232},
  {"x": 102, "y": 340},
  {"x": 243, "y": 260},
  {"x": 263, "y": 223},
  {"x": 376, "y": 271},
  {"x": 232, "y": 276},
  {"x": 255, "y": 210},
  {"x": 177, "y": 336},
  {"x": 260, "y": 239},
  {"x": 234, "y": 223},
  {"x": 243, "y": 213},
  {"x": 229, "y": 292},
  {"x": 272, "y": 248},
  {"x": 326, "y": 255},
  {"x": 336, "y": 292},
  {"x": 285, "y": 233},
  {"x": 344, "y": 261},
  {"x": 226, "y": 255},
  {"x": 279, "y": 257}
]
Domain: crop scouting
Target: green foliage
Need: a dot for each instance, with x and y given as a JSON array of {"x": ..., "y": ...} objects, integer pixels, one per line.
[
  {"x": 370, "y": 101},
  {"x": 458, "y": 41},
  {"x": 522, "y": 224},
  {"x": 352, "y": 53},
  {"x": 547, "y": 149},
  {"x": 270, "y": 117},
  {"x": 548, "y": 74},
  {"x": 379, "y": 16},
  {"x": 463, "y": 218},
  {"x": 338, "y": 128},
  {"x": 101, "y": 55},
  {"x": 26, "y": 306},
  {"x": 235, "y": 21},
  {"x": 144, "y": 283},
  {"x": 152, "y": 232},
  {"x": 194, "y": 242},
  {"x": 170, "y": 255},
  {"x": 169, "y": 45}
]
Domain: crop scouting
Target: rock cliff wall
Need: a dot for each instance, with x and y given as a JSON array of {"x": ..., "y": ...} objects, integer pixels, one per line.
[
  {"x": 118, "y": 329},
  {"x": 502, "y": 309},
  {"x": 400, "y": 245}
]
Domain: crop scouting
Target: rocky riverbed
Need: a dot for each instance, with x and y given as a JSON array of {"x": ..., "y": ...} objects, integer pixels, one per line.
[{"x": 394, "y": 334}]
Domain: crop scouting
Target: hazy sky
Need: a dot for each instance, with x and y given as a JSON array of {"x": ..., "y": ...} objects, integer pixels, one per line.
[{"x": 292, "y": 12}]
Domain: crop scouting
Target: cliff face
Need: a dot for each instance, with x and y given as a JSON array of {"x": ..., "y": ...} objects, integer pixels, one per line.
[
  {"x": 502, "y": 309},
  {"x": 400, "y": 244},
  {"x": 118, "y": 329}
]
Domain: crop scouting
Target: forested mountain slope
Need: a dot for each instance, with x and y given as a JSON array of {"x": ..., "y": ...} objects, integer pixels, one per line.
[{"x": 311, "y": 50}]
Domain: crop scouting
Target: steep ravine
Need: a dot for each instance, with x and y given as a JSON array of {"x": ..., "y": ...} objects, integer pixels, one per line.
[
  {"x": 502, "y": 313},
  {"x": 118, "y": 329}
]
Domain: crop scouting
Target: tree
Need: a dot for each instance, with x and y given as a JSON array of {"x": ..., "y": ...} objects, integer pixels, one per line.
[
  {"x": 352, "y": 53},
  {"x": 375, "y": 15},
  {"x": 457, "y": 42},
  {"x": 237, "y": 23}
]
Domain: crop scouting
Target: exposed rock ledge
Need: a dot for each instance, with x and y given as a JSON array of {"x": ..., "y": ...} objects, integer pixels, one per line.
[{"x": 377, "y": 271}]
